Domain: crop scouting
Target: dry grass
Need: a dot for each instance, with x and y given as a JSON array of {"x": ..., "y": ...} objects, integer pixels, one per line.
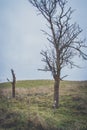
[{"x": 27, "y": 91}]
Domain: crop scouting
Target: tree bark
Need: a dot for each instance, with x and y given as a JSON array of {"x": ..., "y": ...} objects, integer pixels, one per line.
[
  {"x": 56, "y": 92},
  {"x": 13, "y": 89},
  {"x": 13, "y": 83}
]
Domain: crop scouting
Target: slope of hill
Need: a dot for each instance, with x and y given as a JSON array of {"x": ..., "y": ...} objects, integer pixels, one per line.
[{"x": 32, "y": 107}]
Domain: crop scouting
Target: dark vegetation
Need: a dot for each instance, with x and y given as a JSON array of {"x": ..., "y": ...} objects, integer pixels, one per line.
[{"x": 31, "y": 109}]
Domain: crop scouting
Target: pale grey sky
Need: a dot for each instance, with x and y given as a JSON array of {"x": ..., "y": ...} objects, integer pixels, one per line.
[{"x": 21, "y": 40}]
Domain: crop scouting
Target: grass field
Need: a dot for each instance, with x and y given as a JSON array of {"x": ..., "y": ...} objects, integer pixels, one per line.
[{"x": 32, "y": 107}]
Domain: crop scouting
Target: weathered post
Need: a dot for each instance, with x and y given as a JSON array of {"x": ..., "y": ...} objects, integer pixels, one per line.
[{"x": 13, "y": 83}]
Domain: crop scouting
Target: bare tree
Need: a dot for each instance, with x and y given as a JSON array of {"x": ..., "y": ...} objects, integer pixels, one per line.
[
  {"x": 64, "y": 42},
  {"x": 13, "y": 83}
]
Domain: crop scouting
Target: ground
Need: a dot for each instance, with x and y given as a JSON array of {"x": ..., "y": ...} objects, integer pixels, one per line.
[{"x": 32, "y": 109}]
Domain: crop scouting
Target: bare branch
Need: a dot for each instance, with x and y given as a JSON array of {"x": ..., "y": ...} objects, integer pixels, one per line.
[
  {"x": 64, "y": 37},
  {"x": 63, "y": 77}
]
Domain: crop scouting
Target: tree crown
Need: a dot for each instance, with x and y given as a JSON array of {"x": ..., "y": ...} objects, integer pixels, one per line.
[{"x": 63, "y": 38}]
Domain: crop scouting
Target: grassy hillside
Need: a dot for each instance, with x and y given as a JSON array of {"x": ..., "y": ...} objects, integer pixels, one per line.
[{"x": 32, "y": 107}]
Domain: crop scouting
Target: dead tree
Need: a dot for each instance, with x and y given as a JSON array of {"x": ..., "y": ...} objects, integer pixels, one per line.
[
  {"x": 64, "y": 41},
  {"x": 13, "y": 82}
]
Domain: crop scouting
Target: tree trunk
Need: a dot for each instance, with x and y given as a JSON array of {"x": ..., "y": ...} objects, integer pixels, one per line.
[
  {"x": 13, "y": 83},
  {"x": 13, "y": 89},
  {"x": 56, "y": 92}
]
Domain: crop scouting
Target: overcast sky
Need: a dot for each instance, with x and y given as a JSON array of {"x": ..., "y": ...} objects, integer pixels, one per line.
[{"x": 21, "y": 40}]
